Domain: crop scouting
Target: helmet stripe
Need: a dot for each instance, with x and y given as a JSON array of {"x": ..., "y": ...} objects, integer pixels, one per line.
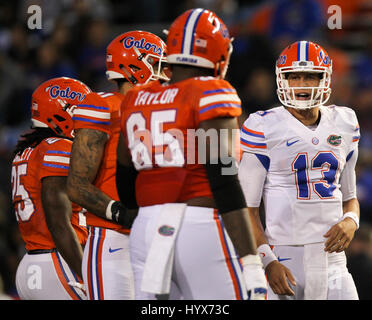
[
  {"x": 189, "y": 28},
  {"x": 302, "y": 51},
  {"x": 193, "y": 31},
  {"x": 307, "y": 50},
  {"x": 184, "y": 31}
]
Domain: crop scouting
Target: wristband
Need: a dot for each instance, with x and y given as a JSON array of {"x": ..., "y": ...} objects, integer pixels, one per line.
[
  {"x": 352, "y": 215},
  {"x": 108, "y": 210},
  {"x": 266, "y": 254}
]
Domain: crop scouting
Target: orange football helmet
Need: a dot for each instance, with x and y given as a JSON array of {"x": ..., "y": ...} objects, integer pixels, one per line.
[
  {"x": 53, "y": 103},
  {"x": 137, "y": 56},
  {"x": 303, "y": 56},
  {"x": 199, "y": 38}
]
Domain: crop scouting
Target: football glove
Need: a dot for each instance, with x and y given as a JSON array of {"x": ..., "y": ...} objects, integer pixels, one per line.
[{"x": 119, "y": 214}]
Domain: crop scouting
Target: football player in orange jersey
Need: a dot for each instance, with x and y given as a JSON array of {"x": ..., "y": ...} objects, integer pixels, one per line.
[
  {"x": 133, "y": 57},
  {"x": 193, "y": 226},
  {"x": 50, "y": 225}
]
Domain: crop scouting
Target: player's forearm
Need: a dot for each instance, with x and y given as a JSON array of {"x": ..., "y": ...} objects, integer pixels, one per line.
[
  {"x": 257, "y": 227},
  {"x": 351, "y": 205},
  {"x": 58, "y": 211},
  {"x": 351, "y": 211},
  {"x": 266, "y": 254},
  {"x": 88, "y": 196},
  {"x": 67, "y": 244},
  {"x": 238, "y": 225}
]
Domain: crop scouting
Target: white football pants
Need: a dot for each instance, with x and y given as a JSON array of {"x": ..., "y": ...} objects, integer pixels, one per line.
[
  {"x": 205, "y": 264},
  {"x": 106, "y": 269},
  {"x": 340, "y": 282},
  {"x": 46, "y": 276}
]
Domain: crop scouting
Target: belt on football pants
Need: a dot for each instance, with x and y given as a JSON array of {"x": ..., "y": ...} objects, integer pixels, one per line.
[{"x": 41, "y": 251}]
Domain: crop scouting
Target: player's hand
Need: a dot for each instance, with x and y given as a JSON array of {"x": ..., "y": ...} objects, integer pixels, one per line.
[
  {"x": 122, "y": 215},
  {"x": 278, "y": 276},
  {"x": 254, "y": 277},
  {"x": 340, "y": 235}
]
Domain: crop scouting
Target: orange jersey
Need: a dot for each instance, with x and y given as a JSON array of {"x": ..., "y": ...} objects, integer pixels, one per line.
[
  {"x": 101, "y": 111},
  {"x": 48, "y": 159},
  {"x": 158, "y": 122}
]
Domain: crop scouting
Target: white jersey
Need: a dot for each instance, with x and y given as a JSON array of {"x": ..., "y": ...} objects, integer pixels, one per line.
[{"x": 301, "y": 193}]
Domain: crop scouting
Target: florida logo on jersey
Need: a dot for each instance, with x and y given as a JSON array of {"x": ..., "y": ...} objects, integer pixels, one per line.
[{"x": 334, "y": 140}]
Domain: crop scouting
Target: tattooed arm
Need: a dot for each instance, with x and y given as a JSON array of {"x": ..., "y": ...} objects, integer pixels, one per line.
[
  {"x": 58, "y": 210},
  {"x": 86, "y": 156}
]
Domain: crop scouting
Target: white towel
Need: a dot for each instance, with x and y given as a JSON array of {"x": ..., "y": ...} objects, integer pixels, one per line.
[
  {"x": 316, "y": 271},
  {"x": 159, "y": 262}
]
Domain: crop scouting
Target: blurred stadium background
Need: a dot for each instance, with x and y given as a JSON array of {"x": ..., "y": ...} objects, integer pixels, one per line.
[{"x": 72, "y": 43}]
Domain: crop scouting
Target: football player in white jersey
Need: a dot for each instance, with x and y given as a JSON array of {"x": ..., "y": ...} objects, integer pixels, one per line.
[{"x": 300, "y": 158}]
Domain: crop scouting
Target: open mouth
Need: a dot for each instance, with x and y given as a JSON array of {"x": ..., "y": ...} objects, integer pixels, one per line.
[{"x": 302, "y": 96}]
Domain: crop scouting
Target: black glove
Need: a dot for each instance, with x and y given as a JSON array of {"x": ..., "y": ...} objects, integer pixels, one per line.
[{"x": 121, "y": 215}]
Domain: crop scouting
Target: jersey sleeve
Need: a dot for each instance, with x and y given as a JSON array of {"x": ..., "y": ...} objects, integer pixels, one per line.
[
  {"x": 348, "y": 177},
  {"x": 93, "y": 113},
  {"x": 252, "y": 176},
  {"x": 252, "y": 136},
  {"x": 349, "y": 123},
  {"x": 55, "y": 158},
  {"x": 217, "y": 99},
  {"x": 356, "y": 133}
]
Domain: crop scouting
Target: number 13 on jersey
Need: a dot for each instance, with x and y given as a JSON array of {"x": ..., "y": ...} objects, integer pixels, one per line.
[{"x": 324, "y": 162}]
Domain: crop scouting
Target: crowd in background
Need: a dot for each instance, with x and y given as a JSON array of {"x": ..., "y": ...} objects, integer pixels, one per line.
[{"x": 73, "y": 40}]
